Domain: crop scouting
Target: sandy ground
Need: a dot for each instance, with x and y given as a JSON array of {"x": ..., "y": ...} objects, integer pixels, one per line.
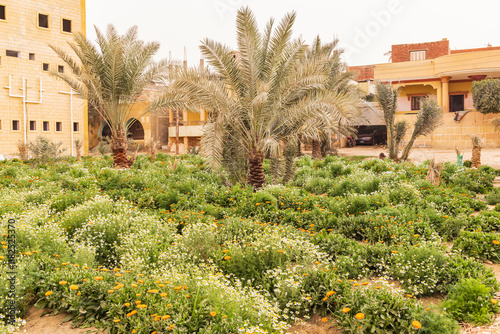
[{"x": 489, "y": 156}]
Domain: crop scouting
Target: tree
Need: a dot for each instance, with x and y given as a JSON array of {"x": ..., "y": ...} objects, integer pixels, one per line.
[
  {"x": 428, "y": 119},
  {"x": 257, "y": 97},
  {"x": 387, "y": 98},
  {"x": 486, "y": 96},
  {"x": 112, "y": 76},
  {"x": 338, "y": 84}
]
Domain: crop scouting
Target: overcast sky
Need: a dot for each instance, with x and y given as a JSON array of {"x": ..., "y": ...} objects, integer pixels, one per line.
[{"x": 366, "y": 29}]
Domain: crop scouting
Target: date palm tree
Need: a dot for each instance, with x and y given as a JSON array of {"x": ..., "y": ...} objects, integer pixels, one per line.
[
  {"x": 339, "y": 85},
  {"x": 257, "y": 97},
  {"x": 112, "y": 76}
]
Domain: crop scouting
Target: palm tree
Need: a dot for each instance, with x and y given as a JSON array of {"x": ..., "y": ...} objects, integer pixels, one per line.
[
  {"x": 257, "y": 97},
  {"x": 339, "y": 86},
  {"x": 112, "y": 76},
  {"x": 428, "y": 119},
  {"x": 387, "y": 98}
]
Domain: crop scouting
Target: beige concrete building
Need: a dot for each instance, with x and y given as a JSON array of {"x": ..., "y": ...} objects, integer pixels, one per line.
[{"x": 32, "y": 102}]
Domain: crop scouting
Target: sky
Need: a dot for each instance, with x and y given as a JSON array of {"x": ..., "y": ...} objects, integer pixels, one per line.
[{"x": 365, "y": 29}]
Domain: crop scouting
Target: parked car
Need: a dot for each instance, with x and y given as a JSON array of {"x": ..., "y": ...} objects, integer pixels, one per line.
[{"x": 370, "y": 136}]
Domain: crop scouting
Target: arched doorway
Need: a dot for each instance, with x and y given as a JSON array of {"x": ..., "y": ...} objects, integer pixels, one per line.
[
  {"x": 135, "y": 129},
  {"x": 105, "y": 131}
]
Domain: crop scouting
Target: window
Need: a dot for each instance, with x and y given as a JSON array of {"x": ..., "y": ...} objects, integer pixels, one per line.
[
  {"x": 32, "y": 125},
  {"x": 60, "y": 69},
  {"x": 2, "y": 13},
  {"x": 417, "y": 55},
  {"x": 415, "y": 102},
  {"x": 32, "y": 56},
  {"x": 45, "y": 67},
  {"x": 43, "y": 21},
  {"x": 46, "y": 126},
  {"x": 15, "y": 125},
  {"x": 58, "y": 126},
  {"x": 66, "y": 25},
  {"x": 11, "y": 53},
  {"x": 0, "y": 124},
  {"x": 76, "y": 126}
]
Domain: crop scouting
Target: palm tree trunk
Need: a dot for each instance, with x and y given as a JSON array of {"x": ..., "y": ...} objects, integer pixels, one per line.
[
  {"x": 256, "y": 175},
  {"x": 390, "y": 141},
  {"x": 406, "y": 151},
  {"x": 316, "y": 149},
  {"x": 299, "y": 151},
  {"x": 119, "y": 149},
  {"x": 476, "y": 157}
]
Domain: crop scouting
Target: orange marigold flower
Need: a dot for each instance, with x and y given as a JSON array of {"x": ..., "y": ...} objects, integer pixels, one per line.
[
  {"x": 62, "y": 282},
  {"x": 227, "y": 257},
  {"x": 330, "y": 293},
  {"x": 324, "y": 320},
  {"x": 416, "y": 324},
  {"x": 346, "y": 309},
  {"x": 213, "y": 314},
  {"x": 73, "y": 287},
  {"x": 496, "y": 242},
  {"x": 48, "y": 293},
  {"x": 359, "y": 316}
]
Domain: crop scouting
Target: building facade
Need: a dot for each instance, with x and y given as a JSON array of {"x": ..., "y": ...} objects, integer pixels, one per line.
[
  {"x": 433, "y": 69},
  {"x": 32, "y": 102}
]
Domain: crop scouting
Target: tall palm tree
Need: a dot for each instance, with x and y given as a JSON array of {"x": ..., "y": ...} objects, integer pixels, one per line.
[
  {"x": 347, "y": 95},
  {"x": 256, "y": 97},
  {"x": 112, "y": 76}
]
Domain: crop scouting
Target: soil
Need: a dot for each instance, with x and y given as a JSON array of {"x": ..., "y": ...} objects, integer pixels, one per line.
[
  {"x": 315, "y": 326},
  {"x": 51, "y": 324}
]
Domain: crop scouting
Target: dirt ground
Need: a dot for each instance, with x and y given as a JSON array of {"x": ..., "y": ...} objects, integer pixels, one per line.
[{"x": 489, "y": 156}]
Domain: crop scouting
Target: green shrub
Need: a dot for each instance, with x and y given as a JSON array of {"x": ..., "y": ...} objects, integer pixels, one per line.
[
  {"x": 471, "y": 301},
  {"x": 480, "y": 245}
]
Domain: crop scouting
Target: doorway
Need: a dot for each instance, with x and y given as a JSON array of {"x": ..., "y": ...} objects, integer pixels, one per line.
[{"x": 456, "y": 103}]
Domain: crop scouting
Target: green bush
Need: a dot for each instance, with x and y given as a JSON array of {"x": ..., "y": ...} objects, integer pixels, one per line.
[{"x": 471, "y": 301}]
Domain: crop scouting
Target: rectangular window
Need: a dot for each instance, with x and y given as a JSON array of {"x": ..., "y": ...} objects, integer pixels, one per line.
[
  {"x": 46, "y": 126},
  {"x": 58, "y": 126},
  {"x": 76, "y": 126},
  {"x": 43, "y": 21},
  {"x": 12, "y": 53},
  {"x": 45, "y": 67},
  {"x": 66, "y": 25},
  {"x": 415, "y": 102},
  {"x": 60, "y": 69},
  {"x": 32, "y": 125},
  {"x": 417, "y": 55},
  {"x": 32, "y": 56},
  {"x": 15, "y": 125},
  {"x": 3, "y": 15}
]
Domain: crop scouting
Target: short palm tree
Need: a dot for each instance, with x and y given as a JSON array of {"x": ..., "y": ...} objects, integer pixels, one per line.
[
  {"x": 257, "y": 97},
  {"x": 112, "y": 76}
]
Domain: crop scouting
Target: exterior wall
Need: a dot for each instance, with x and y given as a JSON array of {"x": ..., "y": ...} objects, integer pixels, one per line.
[
  {"x": 20, "y": 32},
  {"x": 432, "y": 50},
  {"x": 453, "y": 134},
  {"x": 363, "y": 73}
]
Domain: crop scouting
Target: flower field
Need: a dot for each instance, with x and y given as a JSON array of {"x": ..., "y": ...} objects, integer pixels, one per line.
[{"x": 169, "y": 247}]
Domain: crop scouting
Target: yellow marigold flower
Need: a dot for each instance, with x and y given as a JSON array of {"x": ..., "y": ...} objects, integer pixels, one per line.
[
  {"x": 359, "y": 316},
  {"x": 330, "y": 293},
  {"x": 126, "y": 304},
  {"x": 62, "y": 282},
  {"x": 324, "y": 320},
  {"x": 257, "y": 204},
  {"x": 394, "y": 252},
  {"x": 494, "y": 301},
  {"x": 116, "y": 320},
  {"x": 346, "y": 309},
  {"x": 153, "y": 291},
  {"x": 409, "y": 296},
  {"x": 116, "y": 269},
  {"x": 225, "y": 251},
  {"x": 168, "y": 305},
  {"x": 416, "y": 235},
  {"x": 165, "y": 317},
  {"x": 325, "y": 299},
  {"x": 161, "y": 285},
  {"x": 142, "y": 306},
  {"x": 64, "y": 264},
  {"x": 227, "y": 257},
  {"x": 378, "y": 287},
  {"x": 1, "y": 257},
  {"x": 131, "y": 313},
  {"x": 356, "y": 284},
  {"x": 496, "y": 242},
  {"x": 111, "y": 291},
  {"x": 28, "y": 253},
  {"x": 48, "y": 293},
  {"x": 163, "y": 294},
  {"x": 134, "y": 285},
  {"x": 213, "y": 314},
  {"x": 118, "y": 275},
  {"x": 138, "y": 302},
  {"x": 416, "y": 324},
  {"x": 79, "y": 294},
  {"x": 134, "y": 331},
  {"x": 98, "y": 278},
  {"x": 365, "y": 283},
  {"x": 172, "y": 326},
  {"x": 73, "y": 287},
  {"x": 281, "y": 251},
  {"x": 85, "y": 280}
]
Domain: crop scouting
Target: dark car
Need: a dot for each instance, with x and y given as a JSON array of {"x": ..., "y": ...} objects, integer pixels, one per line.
[{"x": 371, "y": 136}]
